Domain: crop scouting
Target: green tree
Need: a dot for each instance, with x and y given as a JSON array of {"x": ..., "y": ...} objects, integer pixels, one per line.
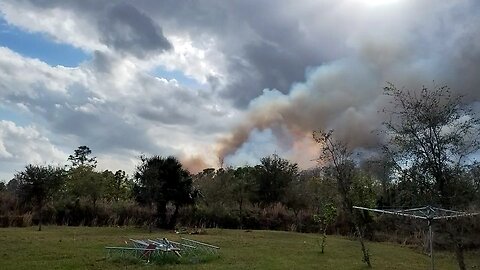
[
  {"x": 159, "y": 181},
  {"x": 38, "y": 184},
  {"x": 13, "y": 187},
  {"x": 242, "y": 187},
  {"x": 319, "y": 189},
  {"x": 298, "y": 196},
  {"x": 433, "y": 132},
  {"x": 473, "y": 175},
  {"x": 380, "y": 168},
  {"x": 273, "y": 177},
  {"x": 85, "y": 182},
  {"x": 81, "y": 157},
  {"x": 117, "y": 185},
  {"x": 325, "y": 218},
  {"x": 212, "y": 185}
]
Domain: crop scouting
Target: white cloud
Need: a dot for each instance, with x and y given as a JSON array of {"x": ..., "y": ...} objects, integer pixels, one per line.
[
  {"x": 112, "y": 103},
  {"x": 142, "y": 114},
  {"x": 198, "y": 63},
  {"x": 20, "y": 146},
  {"x": 62, "y": 24}
]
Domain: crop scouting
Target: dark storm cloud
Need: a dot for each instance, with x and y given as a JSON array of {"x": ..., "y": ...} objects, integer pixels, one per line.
[
  {"x": 128, "y": 30},
  {"x": 102, "y": 62},
  {"x": 346, "y": 94},
  {"x": 269, "y": 66},
  {"x": 121, "y": 25},
  {"x": 266, "y": 44},
  {"x": 280, "y": 56}
]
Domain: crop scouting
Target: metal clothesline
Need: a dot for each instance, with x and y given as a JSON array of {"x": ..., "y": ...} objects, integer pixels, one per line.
[{"x": 428, "y": 213}]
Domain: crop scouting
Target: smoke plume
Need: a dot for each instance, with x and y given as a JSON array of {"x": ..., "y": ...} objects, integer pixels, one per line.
[{"x": 346, "y": 94}]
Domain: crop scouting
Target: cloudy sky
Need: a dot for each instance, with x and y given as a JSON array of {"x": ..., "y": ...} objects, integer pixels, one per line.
[{"x": 211, "y": 79}]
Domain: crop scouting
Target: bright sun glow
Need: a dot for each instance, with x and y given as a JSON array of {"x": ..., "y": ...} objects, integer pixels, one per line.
[{"x": 378, "y": 2}]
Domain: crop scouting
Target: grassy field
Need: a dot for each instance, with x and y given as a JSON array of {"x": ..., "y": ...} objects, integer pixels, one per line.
[{"x": 83, "y": 248}]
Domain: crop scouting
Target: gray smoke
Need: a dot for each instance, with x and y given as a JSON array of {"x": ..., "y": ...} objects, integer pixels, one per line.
[{"x": 441, "y": 46}]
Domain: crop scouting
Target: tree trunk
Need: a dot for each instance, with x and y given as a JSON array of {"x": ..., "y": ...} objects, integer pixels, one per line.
[
  {"x": 458, "y": 248},
  {"x": 452, "y": 231},
  {"x": 150, "y": 222},
  {"x": 40, "y": 206},
  {"x": 459, "y": 255},
  {"x": 324, "y": 237},
  {"x": 348, "y": 206},
  {"x": 366, "y": 256},
  {"x": 94, "y": 201},
  {"x": 173, "y": 219},
  {"x": 240, "y": 209},
  {"x": 162, "y": 215}
]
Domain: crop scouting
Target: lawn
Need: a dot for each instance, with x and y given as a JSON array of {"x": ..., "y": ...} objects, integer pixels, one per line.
[{"x": 83, "y": 248}]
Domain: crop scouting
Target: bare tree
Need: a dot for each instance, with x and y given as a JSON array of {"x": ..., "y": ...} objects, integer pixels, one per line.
[
  {"x": 432, "y": 134},
  {"x": 433, "y": 131},
  {"x": 336, "y": 155}
]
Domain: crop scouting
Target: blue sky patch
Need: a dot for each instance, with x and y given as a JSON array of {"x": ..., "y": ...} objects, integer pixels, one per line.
[
  {"x": 10, "y": 115},
  {"x": 177, "y": 75},
  {"x": 40, "y": 46}
]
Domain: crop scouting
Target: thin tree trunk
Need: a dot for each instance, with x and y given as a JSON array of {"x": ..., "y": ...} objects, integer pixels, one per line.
[
  {"x": 356, "y": 218},
  {"x": 240, "y": 208},
  {"x": 40, "y": 223},
  {"x": 457, "y": 244},
  {"x": 324, "y": 237},
  {"x": 366, "y": 256},
  {"x": 458, "y": 248},
  {"x": 150, "y": 221},
  {"x": 162, "y": 215},
  {"x": 173, "y": 219},
  {"x": 459, "y": 255},
  {"x": 40, "y": 206}
]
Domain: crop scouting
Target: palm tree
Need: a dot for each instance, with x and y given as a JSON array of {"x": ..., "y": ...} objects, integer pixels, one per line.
[{"x": 160, "y": 181}]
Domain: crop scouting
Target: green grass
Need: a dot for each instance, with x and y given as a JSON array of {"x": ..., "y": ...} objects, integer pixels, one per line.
[{"x": 83, "y": 248}]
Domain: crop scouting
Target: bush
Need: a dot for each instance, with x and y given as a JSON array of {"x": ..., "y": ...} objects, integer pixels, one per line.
[
  {"x": 273, "y": 217},
  {"x": 24, "y": 220}
]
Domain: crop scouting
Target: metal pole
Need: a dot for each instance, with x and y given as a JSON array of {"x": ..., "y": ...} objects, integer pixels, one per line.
[
  {"x": 431, "y": 242},
  {"x": 430, "y": 215}
]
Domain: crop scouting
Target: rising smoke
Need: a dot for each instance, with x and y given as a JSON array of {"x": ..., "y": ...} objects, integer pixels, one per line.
[{"x": 442, "y": 47}]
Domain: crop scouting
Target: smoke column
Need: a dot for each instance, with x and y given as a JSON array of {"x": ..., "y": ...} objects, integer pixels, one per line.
[{"x": 346, "y": 94}]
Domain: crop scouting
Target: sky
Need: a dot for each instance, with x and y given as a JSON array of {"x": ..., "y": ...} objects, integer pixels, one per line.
[{"x": 217, "y": 82}]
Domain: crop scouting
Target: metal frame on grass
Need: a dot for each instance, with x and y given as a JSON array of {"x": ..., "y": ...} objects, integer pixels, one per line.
[
  {"x": 428, "y": 213},
  {"x": 147, "y": 248}
]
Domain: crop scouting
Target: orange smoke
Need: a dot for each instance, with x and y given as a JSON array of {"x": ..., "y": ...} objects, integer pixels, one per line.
[{"x": 194, "y": 164}]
